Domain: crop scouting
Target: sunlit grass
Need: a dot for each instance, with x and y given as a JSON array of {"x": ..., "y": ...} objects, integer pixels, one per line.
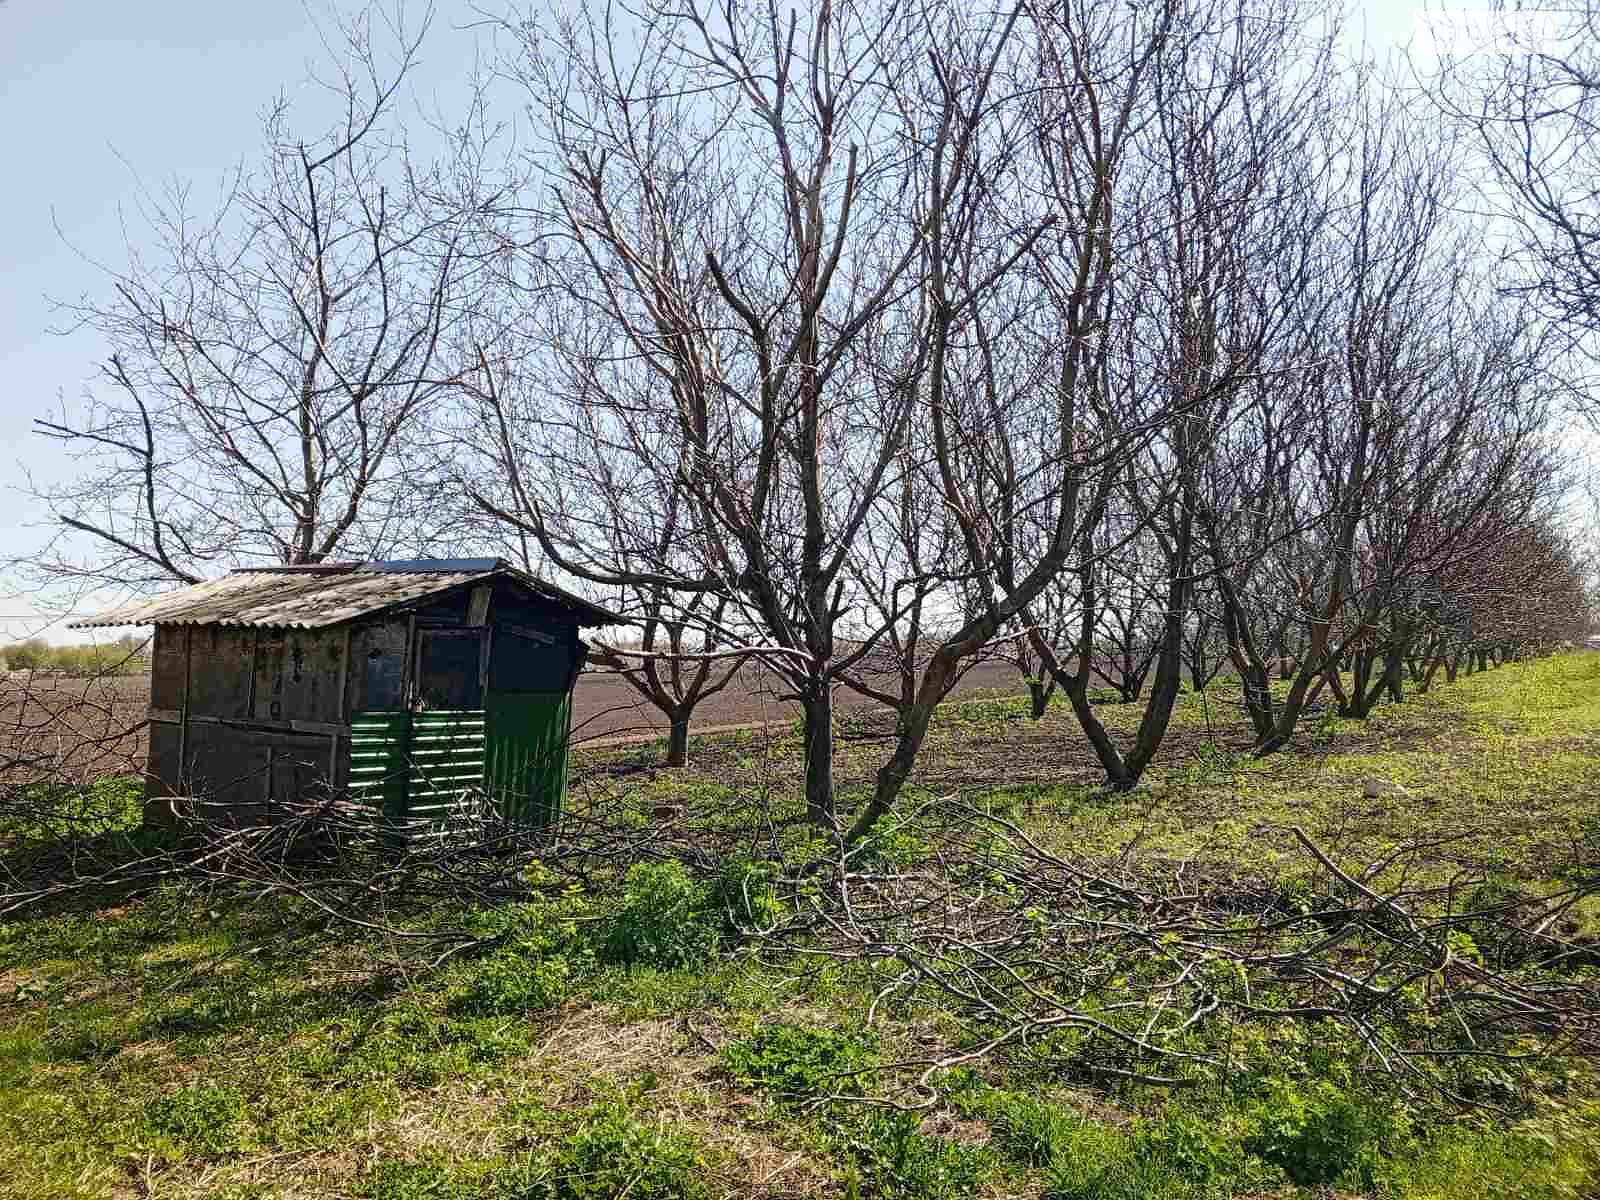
[{"x": 245, "y": 1047}]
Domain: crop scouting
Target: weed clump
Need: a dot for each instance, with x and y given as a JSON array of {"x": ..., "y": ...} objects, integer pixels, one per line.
[
  {"x": 540, "y": 957},
  {"x": 794, "y": 1064},
  {"x": 203, "y": 1119},
  {"x": 745, "y": 895},
  {"x": 666, "y": 920},
  {"x": 1321, "y": 1134},
  {"x": 887, "y": 1156},
  {"x": 611, "y": 1153}
]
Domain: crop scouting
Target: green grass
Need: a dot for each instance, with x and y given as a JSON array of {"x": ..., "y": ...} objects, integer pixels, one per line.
[{"x": 624, "y": 1041}]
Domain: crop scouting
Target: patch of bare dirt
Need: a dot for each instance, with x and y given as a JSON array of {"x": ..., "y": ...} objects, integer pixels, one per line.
[{"x": 57, "y": 727}]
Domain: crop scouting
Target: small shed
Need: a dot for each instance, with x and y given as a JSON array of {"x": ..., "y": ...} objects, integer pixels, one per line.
[{"x": 411, "y": 686}]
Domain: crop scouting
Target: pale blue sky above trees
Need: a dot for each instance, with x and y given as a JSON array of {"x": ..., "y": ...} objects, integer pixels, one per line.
[{"x": 103, "y": 99}]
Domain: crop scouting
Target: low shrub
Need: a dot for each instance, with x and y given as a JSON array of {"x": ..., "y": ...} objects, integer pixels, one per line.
[
  {"x": 204, "y": 1119},
  {"x": 795, "y": 1064},
  {"x": 1322, "y": 1133},
  {"x": 744, "y": 894},
  {"x": 666, "y": 920},
  {"x": 540, "y": 957},
  {"x": 513, "y": 981},
  {"x": 893, "y": 849},
  {"x": 886, "y": 1156}
]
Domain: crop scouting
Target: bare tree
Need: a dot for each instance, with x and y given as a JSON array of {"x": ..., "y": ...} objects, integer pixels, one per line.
[
  {"x": 730, "y": 235},
  {"x": 271, "y": 361},
  {"x": 1234, "y": 98},
  {"x": 1027, "y": 453},
  {"x": 624, "y": 521},
  {"x": 1377, "y": 416},
  {"x": 1132, "y": 618},
  {"x": 1531, "y": 99}
]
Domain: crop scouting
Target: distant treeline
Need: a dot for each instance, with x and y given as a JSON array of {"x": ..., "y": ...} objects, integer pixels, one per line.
[{"x": 128, "y": 655}]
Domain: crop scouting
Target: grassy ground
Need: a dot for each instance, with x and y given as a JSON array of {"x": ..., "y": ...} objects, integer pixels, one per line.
[{"x": 244, "y": 1047}]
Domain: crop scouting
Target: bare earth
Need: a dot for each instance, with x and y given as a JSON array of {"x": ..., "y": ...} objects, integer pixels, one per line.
[
  {"x": 84, "y": 728},
  {"x": 608, "y": 710}
]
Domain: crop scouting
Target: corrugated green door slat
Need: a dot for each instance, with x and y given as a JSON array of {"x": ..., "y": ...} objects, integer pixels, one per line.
[
  {"x": 377, "y": 761},
  {"x": 417, "y": 767},
  {"x": 526, "y": 764}
]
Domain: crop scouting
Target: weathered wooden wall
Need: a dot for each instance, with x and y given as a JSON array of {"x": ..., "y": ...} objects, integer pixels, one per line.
[{"x": 246, "y": 718}]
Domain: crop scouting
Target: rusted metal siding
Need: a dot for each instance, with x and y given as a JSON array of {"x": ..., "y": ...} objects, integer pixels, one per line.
[
  {"x": 249, "y": 774},
  {"x": 161, "y": 771}
]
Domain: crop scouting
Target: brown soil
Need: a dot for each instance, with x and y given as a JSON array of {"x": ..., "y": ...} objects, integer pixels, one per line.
[
  {"x": 80, "y": 729},
  {"x": 75, "y": 729},
  {"x": 607, "y": 709}
]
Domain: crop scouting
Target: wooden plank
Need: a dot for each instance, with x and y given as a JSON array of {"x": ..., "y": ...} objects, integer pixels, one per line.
[
  {"x": 533, "y": 635},
  {"x": 183, "y": 715},
  {"x": 271, "y": 726},
  {"x": 318, "y": 727}
]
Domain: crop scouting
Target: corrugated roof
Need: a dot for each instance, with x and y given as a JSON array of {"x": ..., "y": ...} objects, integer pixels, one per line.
[{"x": 325, "y": 594}]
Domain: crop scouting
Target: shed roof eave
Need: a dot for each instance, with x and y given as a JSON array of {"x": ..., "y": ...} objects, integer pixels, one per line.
[{"x": 291, "y": 598}]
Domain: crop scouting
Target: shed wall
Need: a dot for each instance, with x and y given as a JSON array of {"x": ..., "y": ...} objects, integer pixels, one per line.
[
  {"x": 219, "y": 671},
  {"x": 299, "y": 675},
  {"x": 245, "y": 718}
]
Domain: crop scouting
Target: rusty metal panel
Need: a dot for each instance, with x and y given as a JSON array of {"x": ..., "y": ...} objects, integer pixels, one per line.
[
  {"x": 162, "y": 772},
  {"x": 225, "y": 767}
]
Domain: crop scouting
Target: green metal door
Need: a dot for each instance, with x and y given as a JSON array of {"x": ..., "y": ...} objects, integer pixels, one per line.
[{"x": 417, "y": 767}]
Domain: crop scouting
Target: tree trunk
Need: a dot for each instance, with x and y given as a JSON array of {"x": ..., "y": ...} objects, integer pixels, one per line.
[
  {"x": 1252, "y": 669},
  {"x": 937, "y": 679},
  {"x": 1378, "y": 676},
  {"x": 678, "y": 741},
  {"x": 1257, "y": 699},
  {"x": 818, "y": 712},
  {"x": 1039, "y": 698},
  {"x": 1118, "y": 777}
]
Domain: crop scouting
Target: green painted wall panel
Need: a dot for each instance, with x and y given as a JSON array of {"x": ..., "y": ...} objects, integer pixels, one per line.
[
  {"x": 526, "y": 766},
  {"x": 416, "y": 766}
]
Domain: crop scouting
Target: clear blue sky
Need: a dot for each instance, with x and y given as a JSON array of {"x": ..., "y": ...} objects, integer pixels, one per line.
[
  {"x": 98, "y": 99},
  {"x": 101, "y": 97}
]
